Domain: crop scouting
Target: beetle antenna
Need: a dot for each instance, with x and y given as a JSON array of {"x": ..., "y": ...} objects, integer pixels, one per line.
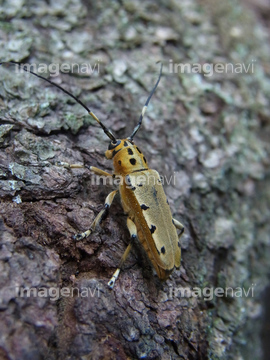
[
  {"x": 145, "y": 107},
  {"x": 105, "y": 129}
]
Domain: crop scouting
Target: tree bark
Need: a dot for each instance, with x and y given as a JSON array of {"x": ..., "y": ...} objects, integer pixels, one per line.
[{"x": 206, "y": 133}]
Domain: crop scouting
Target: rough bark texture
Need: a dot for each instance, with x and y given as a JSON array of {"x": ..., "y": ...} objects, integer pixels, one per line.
[{"x": 212, "y": 131}]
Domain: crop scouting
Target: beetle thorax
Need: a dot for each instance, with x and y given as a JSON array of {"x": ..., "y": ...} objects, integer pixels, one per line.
[{"x": 127, "y": 157}]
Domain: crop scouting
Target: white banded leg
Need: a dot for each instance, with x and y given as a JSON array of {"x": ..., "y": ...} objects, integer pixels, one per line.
[
  {"x": 133, "y": 235},
  {"x": 94, "y": 169},
  {"x": 101, "y": 215},
  {"x": 179, "y": 226}
]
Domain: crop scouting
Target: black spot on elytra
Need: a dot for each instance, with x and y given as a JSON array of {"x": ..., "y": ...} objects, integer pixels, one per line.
[
  {"x": 152, "y": 229},
  {"x": 140, "y": 185},
  {"x": 162, "y": 250},
  {"x": 130, "y": 152},
  {"x": 138, "y": 150},
  {"x": 144, "y": 207},
  {"x": 133, "y": 188},
  {"x": 125, "y": 143},
  {"x": 119, "y": 162},
  {"x": 144, "y": 159},
  {"x": 132, "y": 161}
]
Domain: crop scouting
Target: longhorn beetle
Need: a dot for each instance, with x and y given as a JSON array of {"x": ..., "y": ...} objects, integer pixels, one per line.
[{"x": 142, "y": 197}]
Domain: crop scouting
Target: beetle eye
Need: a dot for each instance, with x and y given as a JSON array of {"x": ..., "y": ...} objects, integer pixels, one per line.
[{"x": 113, "y": 144}]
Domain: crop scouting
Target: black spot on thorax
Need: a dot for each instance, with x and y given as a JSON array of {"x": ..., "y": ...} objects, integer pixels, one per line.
[{"x": 115, "y": 152}]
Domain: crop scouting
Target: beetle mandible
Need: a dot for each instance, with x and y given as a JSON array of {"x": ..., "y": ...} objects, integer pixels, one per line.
[{"x": 142, "y": 197}]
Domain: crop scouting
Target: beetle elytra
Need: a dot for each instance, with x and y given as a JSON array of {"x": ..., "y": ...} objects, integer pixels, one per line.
[{"x": 142, "y": 196}]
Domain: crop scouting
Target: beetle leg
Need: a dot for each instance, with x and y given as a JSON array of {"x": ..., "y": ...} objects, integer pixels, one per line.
[
  {"x": 101, "y": 215},
  {"x": 178, "y": 226},
  {"x": 100, "y": 172},
  {"x": 94, "y": 169},
  {"x": 133, "y": 235}
]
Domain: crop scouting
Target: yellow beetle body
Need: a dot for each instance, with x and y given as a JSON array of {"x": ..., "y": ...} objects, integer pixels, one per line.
[{"x": 144, "y": 200}]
